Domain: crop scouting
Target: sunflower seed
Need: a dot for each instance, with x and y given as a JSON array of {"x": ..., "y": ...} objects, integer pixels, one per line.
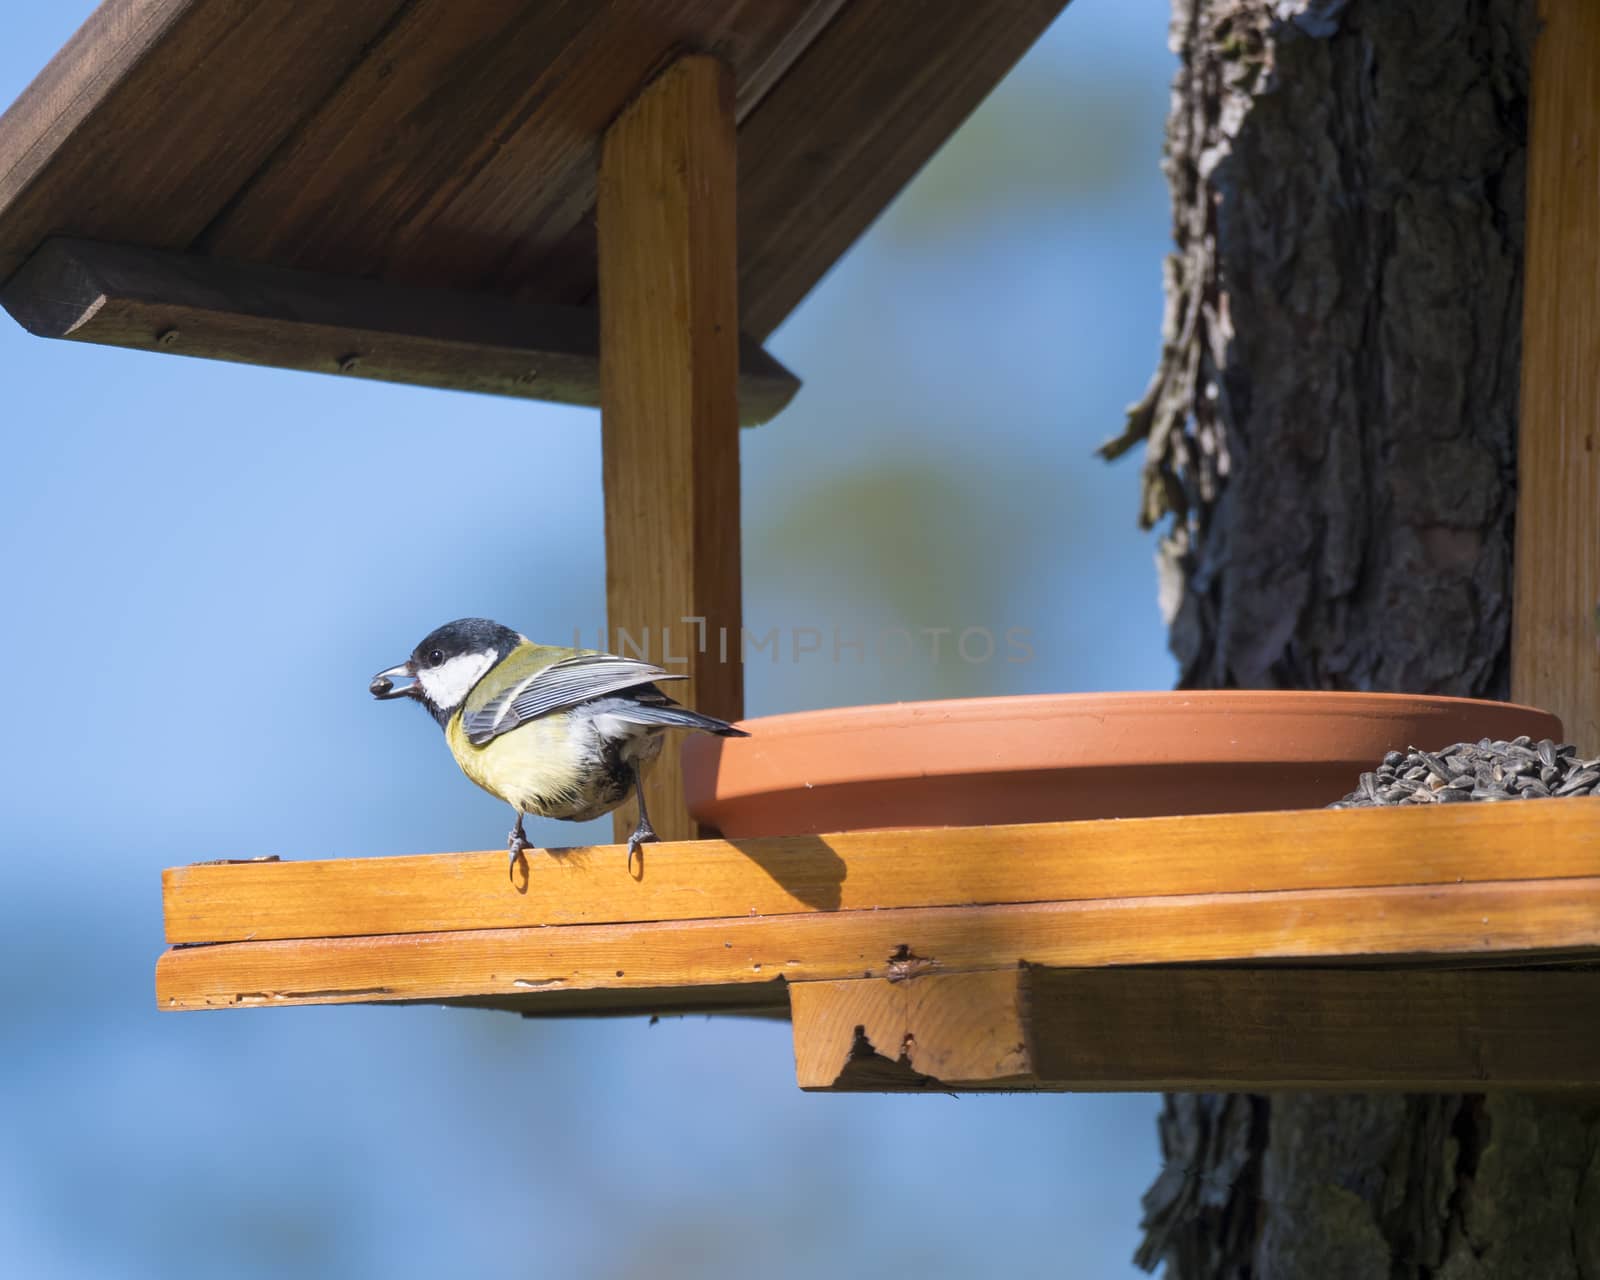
[
  {"x": 1435, "y": 766},
  {"x": 1489, "y": 770}
]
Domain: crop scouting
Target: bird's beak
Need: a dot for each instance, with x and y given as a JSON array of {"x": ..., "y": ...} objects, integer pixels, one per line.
[{"x": 383, "y": 684}]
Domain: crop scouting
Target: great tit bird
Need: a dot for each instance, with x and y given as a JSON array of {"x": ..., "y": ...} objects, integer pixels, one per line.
[{"x": 557, "y": 733}]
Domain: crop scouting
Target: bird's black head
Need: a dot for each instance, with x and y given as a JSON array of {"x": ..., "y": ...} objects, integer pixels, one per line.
[
  {"x": 465, "y": 637},
  {"x": 447, "y": 663}
]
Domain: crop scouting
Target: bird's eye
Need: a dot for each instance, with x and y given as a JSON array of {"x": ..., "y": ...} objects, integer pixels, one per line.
[{"x": 435, "y": 658}]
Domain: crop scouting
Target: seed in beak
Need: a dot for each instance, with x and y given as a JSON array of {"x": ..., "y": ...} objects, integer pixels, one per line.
[{"x": 380, "y": 686}]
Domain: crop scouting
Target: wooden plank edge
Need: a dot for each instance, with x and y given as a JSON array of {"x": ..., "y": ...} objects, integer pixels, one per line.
[
  {"x": 1555, "y": 632},
  {"x": 870, "y": 870},
  {"x": 791, "y": 233},
  {"x": 1202, "y": 1029},
  {"x": 247, "y": 313},
  {"x": 1410, "y": 923},
  {"x": 79, "y": 79},
  {"x": 765, "y": 1000},
  {"x": 740, "y": 1000}
]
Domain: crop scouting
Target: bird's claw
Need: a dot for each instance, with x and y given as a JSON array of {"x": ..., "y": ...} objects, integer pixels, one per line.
[
  {"x": 643, "y": 834},
  {"x": 516, "y": 843}
]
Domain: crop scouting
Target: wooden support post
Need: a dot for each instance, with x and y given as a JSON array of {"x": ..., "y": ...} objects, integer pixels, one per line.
[
  {"x": 1206, "y": 1029},
  {"x": 669, "y": 364},
  {"x": 1556, "y": 642}
]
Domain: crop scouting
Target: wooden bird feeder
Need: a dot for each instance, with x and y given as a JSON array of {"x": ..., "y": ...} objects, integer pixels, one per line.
[{"x": 615, "y": 204}]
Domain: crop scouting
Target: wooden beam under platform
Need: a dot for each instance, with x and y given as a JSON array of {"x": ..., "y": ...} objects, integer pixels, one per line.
[{"x": 1247, "y": 1029}]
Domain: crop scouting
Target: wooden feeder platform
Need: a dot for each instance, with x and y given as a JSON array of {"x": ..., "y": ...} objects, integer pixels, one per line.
[
  {"x": 617, "y": 204},
  {"x": 1440, "y": 948}
]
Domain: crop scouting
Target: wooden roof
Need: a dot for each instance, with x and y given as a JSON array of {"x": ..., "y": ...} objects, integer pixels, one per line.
[{"x": 453, "y": 143}]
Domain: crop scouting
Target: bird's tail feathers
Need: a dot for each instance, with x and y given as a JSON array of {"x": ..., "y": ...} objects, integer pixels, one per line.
[{"x": 676, "y": 718}]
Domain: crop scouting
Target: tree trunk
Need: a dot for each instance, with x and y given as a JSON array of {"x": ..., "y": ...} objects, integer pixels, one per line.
[{"x": 1331, "y": 446}]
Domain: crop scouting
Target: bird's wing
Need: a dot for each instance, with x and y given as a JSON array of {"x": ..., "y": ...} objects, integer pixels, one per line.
[{"x": 554, "y": 688}]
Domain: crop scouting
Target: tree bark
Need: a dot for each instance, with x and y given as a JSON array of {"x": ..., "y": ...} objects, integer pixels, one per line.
[{"x": 1330, "y": 449}]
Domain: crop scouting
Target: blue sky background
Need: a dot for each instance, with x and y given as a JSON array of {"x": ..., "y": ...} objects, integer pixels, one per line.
[{"x": 189, "y": 545}]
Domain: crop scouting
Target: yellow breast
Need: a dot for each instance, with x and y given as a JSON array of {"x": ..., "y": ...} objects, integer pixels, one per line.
[{"x": 539, "y": 767}]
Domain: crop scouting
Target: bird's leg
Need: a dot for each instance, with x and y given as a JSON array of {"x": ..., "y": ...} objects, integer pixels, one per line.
[
  {"x": 516, "y": 842},
  {"x": 644, "y": 833}
]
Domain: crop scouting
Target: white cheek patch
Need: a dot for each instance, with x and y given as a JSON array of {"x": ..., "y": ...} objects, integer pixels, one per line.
[{"x": 448, "y": 684}]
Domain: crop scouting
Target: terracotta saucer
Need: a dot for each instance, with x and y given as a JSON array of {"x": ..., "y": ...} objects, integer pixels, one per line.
[{"x": 974, "y": 761}]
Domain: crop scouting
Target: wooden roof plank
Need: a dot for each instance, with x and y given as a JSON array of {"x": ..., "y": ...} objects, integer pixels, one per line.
[
  {"x": 355, "y": 190},
  {"x": 462, "y": 151},
  {"x": 758, "y": 40},
  {"x": 1166, "y": 1028},
  {"x": 1414, "y": 923},
  {"x": 854, "y": 120},
  {"x": 184, "y": 304},
  {"x": 151, "y": 117},
  {"x": 871, "y": 870}
]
